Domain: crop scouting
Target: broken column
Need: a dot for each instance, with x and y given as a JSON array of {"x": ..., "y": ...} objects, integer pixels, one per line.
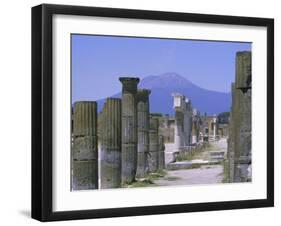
[
  {"x": 153, "y": 156},
  {"x": 143, "y": 131},
  {"x": 243, "y": 141},
  {"x": 111, "y": 144},
  {"x": 85, "y": 150},
  {"x": 161, "y": 158},
  {"x": 129, "y": 129}
]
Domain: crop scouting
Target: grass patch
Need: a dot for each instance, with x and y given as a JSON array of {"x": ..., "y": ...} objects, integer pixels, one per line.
[
  {"x": 147, "y": 181},
  {"x": 171, "y": 178},
  {"x": 140, "y": 184},
  {"x": 190, "y": 155},
  {"x": 193, "y": 166}
]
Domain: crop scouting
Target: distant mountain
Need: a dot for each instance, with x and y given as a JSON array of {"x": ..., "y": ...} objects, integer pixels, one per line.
[{"x": 161, "y": 100}]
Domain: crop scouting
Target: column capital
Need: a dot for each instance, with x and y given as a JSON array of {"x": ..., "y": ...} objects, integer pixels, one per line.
[{"x": 129, "y": 84}]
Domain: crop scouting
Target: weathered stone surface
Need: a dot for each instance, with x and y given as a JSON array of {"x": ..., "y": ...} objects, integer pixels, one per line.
[
  {"x": 243, "y": 78},
  {"x": 143, "y": 131},
  {"x": 161, "y": 158},
  {"x": 187, "y": 125},
  {"x": 84, "y": 175},
  {"x": 240, "y": 130},
  {"x": 195, "y": 127},
  {"x": 153, "y": 156},
  {"x": 129, "y": 129},
  {"x": 111, "y": 144},
  {"x": 179, "y": 120},
  {"x": 183, "y": 121},
  {"x": 84, "y": 149}
]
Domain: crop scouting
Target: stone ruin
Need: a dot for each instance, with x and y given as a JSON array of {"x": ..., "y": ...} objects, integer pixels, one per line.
[
  {"x": 240, "y": 135},
  {"x": 85, "y": 149},
  {"x": 130, "y": 145},
  {"x": 134, "y": 142}
]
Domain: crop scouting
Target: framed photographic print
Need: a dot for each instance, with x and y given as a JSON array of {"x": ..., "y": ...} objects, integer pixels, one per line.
[{"x": 145, "y": 112}]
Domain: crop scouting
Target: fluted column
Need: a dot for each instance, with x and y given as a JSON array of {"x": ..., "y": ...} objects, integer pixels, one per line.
[
  {"x": 111, "y": 144},
  {"x": 84, "y": 150},
  {"x": 161, "y": 160},
  {"x": 129, "y": 129},
  {"x": 143, "y": 131},
  {"x": 153, "y": 156}
]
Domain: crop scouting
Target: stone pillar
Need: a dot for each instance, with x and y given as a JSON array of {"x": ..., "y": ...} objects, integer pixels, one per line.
[
  {"x": 111, "y": 144},
  {"x": 161, "y": 160},
  {"x": 129, "y": 129},
  {"x": 215, "y": 127},
  {"x": 179, "y": 118},
  {"x": 243, "y": 141},
  {"x": 85, "y": 150},
  {"x": 195, "y": 126},
  {"x": 179, "y": 105},
  {"x": 194, "y": 131},
  {"x": 143, "y": 131},
  {"x": 239, "y": 143},
  {"x": 153, "y": 156},
  {"x": 187, "y": 125}
]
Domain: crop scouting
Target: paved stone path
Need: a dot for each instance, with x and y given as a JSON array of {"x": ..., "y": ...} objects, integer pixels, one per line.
[
  {"x": 203, "y": 175},
  {"x": 207, "y": 174}
]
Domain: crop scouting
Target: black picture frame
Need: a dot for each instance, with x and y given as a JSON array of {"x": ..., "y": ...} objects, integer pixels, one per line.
[{"x": 42, "y": 111}]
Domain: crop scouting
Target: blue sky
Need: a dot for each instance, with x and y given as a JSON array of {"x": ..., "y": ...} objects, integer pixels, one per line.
[{"x": 98, "y": 62}]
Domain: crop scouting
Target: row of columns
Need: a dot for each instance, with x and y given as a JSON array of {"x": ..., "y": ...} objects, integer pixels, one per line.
[{"x": 130, "y": 143}]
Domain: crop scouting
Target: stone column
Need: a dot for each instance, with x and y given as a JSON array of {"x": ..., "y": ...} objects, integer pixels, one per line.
[
  {"x": 129, "y": 129},
  {"x": 111, "y": 144},
  {"x": 188, "y": 123},
  {"x": 85, "y": 150},
  {"x": 153, "y": 156},
  {"x": 179, "y": 118},
  {"x": 194, "y": 132},
  {"x": 179, "y": 106},
  {"x": 143, "y": 131},
  {"x": 215, "y": 128},
  {"x": 243, "y": 139},
  {"x": 161, "y": 160}
]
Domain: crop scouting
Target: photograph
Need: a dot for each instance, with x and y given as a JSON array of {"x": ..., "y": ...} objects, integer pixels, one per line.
[{"x": 153, "y": 112}]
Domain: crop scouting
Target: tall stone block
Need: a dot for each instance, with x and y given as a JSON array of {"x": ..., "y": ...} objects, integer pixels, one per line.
[
  {"x": 111, "y": 144},
  {"x": 129, "y": 129},
  {"x": 161, "y": 158},
  {"x": 153, "y": 157},
  {"x": 84, "y": 149},
  {"x": 143, "y": 131},
  {"x": 240, "y": 133}
]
